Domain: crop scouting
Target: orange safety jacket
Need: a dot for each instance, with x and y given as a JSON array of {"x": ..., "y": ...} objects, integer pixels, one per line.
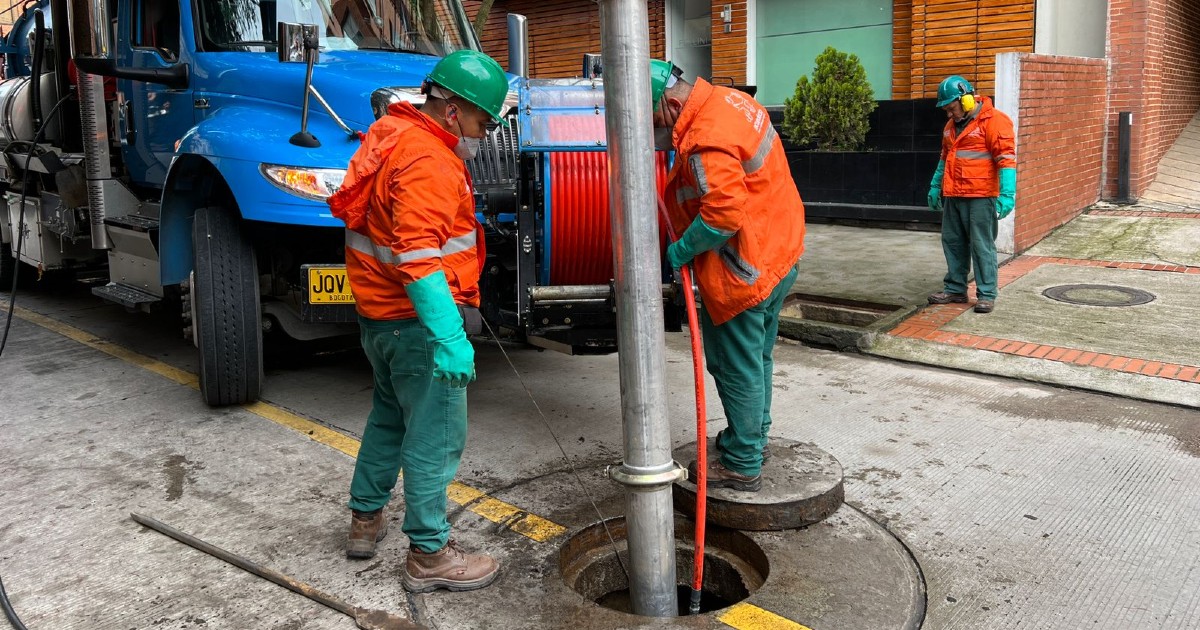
[
  {"x": 409, "y": 212},
  {"x": 731, "y": 170},
  {"x": 975, "y": 156}
]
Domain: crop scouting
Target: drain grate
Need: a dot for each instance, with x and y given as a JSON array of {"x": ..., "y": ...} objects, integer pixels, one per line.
[{"x": 1098, "y": 295}]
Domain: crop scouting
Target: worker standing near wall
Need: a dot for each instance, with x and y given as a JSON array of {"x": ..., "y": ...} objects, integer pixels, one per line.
[
  {"x": 413, "y": 257},
  {"x": 731, "y": 198},
  {"x": 974, "y": 186}
]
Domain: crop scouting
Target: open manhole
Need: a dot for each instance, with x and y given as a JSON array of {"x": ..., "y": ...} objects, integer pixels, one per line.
[
  {"x": 734, "y": 565},
  {"x": 835, "y": 310},
  {"x": 1098, "y": 295}
]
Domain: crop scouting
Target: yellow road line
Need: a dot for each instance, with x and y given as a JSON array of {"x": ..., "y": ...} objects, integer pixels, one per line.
[
  {"x": 495, "y": 510},
  {"x": 745, "y": 616}
]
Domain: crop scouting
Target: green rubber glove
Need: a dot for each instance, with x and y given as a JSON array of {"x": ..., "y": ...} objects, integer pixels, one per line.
[
  {"x": 935, "y": 188},
  {"x": 697, "y": 239},
  {"x": 1008, "y": 192},
  {"x": 453, "y": 356}
]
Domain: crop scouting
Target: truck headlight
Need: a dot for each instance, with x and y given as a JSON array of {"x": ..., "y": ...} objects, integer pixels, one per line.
[{"x": 311, "y": 183}]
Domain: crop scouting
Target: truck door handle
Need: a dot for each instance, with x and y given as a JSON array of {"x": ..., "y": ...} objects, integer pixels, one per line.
[{"x": 130, "y": 132}]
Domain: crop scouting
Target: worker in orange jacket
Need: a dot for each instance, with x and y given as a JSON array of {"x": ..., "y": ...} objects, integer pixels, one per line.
[
  {"x": 974, "y": 186},
  {"x": 731, "y": 198},
  {"x": 413, "y": 257}
]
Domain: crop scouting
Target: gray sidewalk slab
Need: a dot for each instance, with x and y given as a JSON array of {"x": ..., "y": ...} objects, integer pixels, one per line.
[{"x": 1025, "y": 505}]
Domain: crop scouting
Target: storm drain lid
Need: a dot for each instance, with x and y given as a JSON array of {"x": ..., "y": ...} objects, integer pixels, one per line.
[{"x": 1098, "y": 295}]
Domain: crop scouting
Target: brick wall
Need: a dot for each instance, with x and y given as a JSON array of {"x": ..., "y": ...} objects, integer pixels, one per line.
[
  {"x": 560, "y": 32},
  {"x": 1154, "y": 46},
  {"x": 1060, "y": 160}
]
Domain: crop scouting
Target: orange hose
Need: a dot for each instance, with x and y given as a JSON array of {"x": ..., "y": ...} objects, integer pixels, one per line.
[{"x": 701, "y": 413}]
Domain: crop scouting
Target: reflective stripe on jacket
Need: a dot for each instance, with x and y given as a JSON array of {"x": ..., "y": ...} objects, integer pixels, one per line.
[
  {"x": 975, "y": 156},
  {"x": 730, "y": 168},
  {"x": 409, "y": 212}
]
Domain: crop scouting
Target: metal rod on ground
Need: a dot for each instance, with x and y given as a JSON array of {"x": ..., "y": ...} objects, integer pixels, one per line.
[
  {"x": 647, "y": 470},
  {"x": 368, "y": 619}
]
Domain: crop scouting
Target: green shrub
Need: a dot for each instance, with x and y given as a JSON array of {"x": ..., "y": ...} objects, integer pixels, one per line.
[{"x": 830, "y": 111}]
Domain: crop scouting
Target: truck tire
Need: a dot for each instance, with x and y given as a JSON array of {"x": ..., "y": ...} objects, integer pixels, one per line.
[{"x": 228, "y": 326}]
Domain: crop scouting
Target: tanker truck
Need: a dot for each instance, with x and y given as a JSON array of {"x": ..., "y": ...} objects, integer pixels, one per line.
[{"x": 179, "y": 154}]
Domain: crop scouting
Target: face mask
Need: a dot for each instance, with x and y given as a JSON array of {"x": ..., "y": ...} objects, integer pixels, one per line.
[
  {"x": 467, "y": 148},
  {"x": 663, "y": 140}
]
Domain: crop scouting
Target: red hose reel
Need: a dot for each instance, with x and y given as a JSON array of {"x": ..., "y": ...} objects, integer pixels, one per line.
[{"x": 580, "y": 231}]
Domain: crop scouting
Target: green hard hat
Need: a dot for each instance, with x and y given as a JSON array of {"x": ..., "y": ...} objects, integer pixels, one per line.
[
  {"x": 952, "y": 88},
  {"x": 660, "y": 79},
  {"x": 475, "y": 77}
]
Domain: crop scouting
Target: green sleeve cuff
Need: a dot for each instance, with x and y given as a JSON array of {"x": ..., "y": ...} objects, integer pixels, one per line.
[
  {"x": 1008, "y": 181},
  {"x": 700, "y": 237},
  {"x": 936, "y": 182},
  {"x": 435, "y": 306}
]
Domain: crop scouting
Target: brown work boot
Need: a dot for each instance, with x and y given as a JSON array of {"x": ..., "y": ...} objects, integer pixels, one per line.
[
  {"x": 450, "y": 568},
  {"x": 766, "y": 452},
  {"x": 721, "y": 477},
  {"x": 984, "y": 306},
  {"x": 366, "y": 529},
  {"x": 941, "y": 297}
]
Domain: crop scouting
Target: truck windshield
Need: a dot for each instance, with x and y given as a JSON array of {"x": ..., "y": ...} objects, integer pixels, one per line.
[{"x": 432, "y": 27}]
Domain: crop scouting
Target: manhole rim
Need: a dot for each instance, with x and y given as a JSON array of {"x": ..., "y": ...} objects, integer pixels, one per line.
[{"x": 1138, "y": 297}]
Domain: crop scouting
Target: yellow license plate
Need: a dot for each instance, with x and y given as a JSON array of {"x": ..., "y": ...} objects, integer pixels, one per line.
[{"x": 329, "y": 285}]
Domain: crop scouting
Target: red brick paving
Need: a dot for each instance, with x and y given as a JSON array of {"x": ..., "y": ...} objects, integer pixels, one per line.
[{"x": 927, "y": 323}]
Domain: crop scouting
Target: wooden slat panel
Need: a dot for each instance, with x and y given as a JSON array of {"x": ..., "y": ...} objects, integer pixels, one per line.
[
  {"x": 560, "y": 32},
  {"x": 963, "y": 37}
]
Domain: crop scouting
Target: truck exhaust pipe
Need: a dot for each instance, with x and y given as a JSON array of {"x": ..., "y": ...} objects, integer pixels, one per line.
[
  {"x": 518, "y": 45},
  {"x": 90, "y": 41}
]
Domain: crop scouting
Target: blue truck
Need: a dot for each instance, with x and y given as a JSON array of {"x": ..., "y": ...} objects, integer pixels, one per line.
[{"x": 181, "y": 151}]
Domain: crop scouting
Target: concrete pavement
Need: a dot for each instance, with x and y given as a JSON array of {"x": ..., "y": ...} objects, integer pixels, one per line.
[{"x": 1095, "y": 340}]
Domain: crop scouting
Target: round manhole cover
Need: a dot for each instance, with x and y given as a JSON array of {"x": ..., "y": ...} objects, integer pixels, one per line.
[{"x": 1098, "y": 295}]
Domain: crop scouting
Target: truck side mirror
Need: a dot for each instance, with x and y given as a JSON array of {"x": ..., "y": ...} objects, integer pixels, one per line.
[
  {"x": 294, "y": 42},
  {"x": 299, "y": 43}
]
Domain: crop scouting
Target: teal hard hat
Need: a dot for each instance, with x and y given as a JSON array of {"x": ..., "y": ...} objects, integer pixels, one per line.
[
  {"x": 952, "y": 88},
  {"x": 475, "y": 77},
  {"x": 663, "y": 75}
]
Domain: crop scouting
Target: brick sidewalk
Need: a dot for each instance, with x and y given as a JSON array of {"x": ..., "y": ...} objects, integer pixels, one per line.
[{"x": 926, "y": 324}]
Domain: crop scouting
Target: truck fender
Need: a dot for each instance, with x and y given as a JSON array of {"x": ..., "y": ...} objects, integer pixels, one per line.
[{"x": 192, "y": 182}]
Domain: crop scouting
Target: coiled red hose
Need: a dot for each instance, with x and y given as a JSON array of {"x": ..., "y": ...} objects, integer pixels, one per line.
[{"x": 580, "y": 245}]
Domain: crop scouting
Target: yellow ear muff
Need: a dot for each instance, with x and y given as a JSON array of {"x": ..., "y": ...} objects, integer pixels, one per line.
[{"x": 968, "y": 102}]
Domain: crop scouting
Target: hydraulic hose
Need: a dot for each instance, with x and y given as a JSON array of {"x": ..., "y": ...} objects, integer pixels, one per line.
[
  {"x": 9, "y": 612},
  {"x": 701, "y": 422}
]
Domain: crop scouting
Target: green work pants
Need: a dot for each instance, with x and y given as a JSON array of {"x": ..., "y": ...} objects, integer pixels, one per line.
[
  {"x": 416, "y": 423},
  {"x": 740, "y": 357},
  {"x": 969, "y": 236}
]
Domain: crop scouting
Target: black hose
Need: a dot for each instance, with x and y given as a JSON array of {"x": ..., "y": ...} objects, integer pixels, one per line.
[
  {"x": 9, "y": 612},
  {"x": 12, "y": 297},
  {"x": 35, "y": 73},
  {"x": 8, "y": 609}
]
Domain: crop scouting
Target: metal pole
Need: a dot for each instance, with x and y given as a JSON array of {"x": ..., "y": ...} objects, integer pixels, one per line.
[{"x": 648, "y": 470}]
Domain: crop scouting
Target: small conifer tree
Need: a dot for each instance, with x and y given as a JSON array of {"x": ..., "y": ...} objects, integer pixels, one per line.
[{"x": 830, "y": 111}]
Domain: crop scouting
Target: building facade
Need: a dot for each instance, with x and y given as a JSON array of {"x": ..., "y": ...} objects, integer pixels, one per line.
[{"x": 1085, "y": 62}]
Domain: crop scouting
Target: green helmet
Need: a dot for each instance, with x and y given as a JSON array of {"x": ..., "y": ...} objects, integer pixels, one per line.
[
  {"x": 660, "y": 79},
  {"x": 952, "y": 88},
  {"x": 475, "y": 77}
]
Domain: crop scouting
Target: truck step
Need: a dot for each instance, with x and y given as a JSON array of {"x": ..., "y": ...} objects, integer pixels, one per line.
[
  {"x": 125, "y": 295},
  {"x": 133, "y": 222}
]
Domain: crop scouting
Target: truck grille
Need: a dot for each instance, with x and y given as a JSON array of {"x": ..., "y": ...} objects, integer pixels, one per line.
[{"x": 496, "y": 164}]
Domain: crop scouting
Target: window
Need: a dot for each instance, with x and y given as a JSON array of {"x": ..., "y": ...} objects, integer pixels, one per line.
[{"x": 156, "y": 25}]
